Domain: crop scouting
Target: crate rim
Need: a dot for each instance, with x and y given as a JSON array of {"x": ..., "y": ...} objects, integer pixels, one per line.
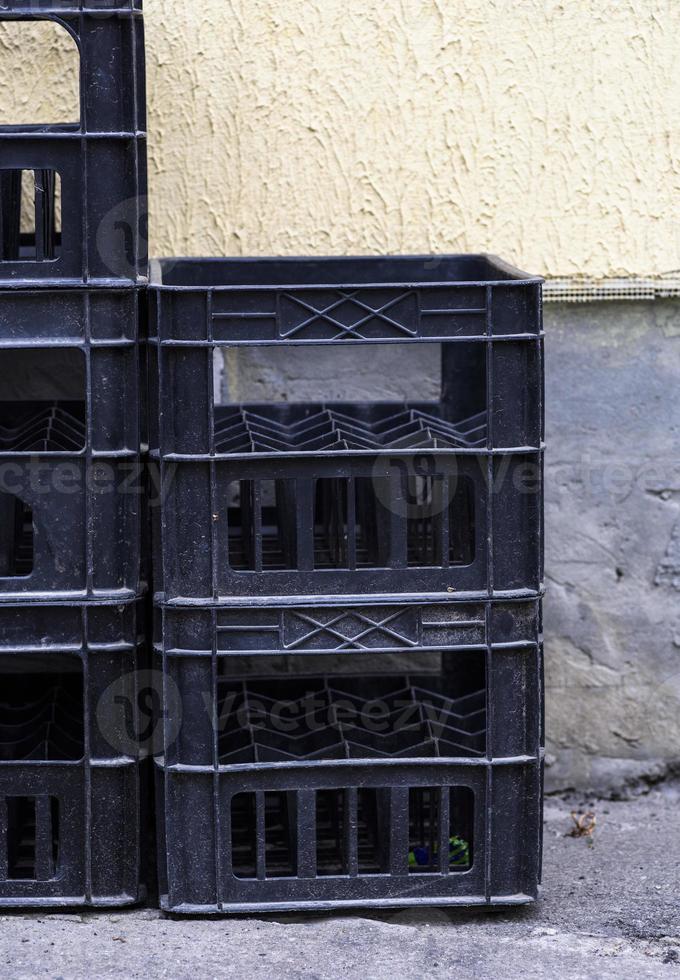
[
  {"x": 54, "y": 9},
  {"x": 62, "y": 285},
  {"x": 517, "y": 278},
  {"x": 443, "y": 451},
  {"x": 77, "y": 598},
  {"x": 296, "y": 766},
  {"x": 51, "y": 131},
  {"x": 70, "y": 600},
  {"x": 71, "y": 285},
  {"x": 495, "y": 597}
]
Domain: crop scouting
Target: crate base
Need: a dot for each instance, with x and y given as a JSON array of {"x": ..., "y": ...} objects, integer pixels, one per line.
[
  {"x": 373, "y": 834},
  {"x": 76, "y": 902},
  {"x": 260, "y": 908}
]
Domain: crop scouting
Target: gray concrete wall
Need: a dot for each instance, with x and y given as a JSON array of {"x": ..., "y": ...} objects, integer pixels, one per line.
[
  {"x": 613, "y": 542},
  {"x": 613, "y": 520}
]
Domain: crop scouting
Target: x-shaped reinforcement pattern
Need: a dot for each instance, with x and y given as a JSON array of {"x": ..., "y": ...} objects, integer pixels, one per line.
[
  {"x": 365, "y": 314},
  {"x": 332, "y": 629}
]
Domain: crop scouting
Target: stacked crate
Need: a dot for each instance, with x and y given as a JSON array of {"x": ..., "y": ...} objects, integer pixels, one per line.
[
  {"x": 72, "y": 292},
  {"x": 348, "y": 594}
]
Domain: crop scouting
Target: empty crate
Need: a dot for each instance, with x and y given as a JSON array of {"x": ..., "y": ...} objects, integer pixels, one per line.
[
  {"x": 73, "y": 192},
  {"x": 71, "y": 796},
  {"x": 324, "y": 498},
  {"x": 348, "y": 617},
  {"x": 334, "y": 755}
]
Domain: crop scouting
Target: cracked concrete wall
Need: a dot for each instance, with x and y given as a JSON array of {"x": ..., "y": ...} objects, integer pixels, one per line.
[
  {"x": 539, "y": 129},
  {"x": 612, "y": 615},
  {"x": 613, "y": 527}
]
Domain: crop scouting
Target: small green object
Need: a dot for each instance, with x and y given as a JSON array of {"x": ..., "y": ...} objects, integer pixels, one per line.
[
  {"x": 459, "y": 855},
  {"x": 459, "y": 852}
]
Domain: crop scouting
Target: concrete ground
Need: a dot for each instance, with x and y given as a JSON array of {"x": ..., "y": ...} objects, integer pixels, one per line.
[{"x": 611, "y": 908}]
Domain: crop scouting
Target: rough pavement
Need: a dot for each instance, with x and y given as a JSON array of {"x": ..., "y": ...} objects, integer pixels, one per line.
[{"x": 611, "y": 908}]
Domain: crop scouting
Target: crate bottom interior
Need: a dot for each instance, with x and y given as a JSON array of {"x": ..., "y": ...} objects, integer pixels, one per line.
[
  {"x": 337, "y": 426},
  {"x": 288, "y": 708},
  {"x": 346, "y": 717},
  {"x": 34, "y": 426},
  {"x": 41, "y": 709}
]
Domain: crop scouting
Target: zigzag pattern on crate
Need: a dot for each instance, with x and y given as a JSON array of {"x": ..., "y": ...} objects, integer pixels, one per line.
[
  {"x": 335, "y": 718},
  {"x": 332, "y": 427},
  {"x": 41, "y": 427}
]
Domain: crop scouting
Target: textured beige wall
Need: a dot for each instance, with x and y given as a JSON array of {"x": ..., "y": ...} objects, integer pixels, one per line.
[{"x": 546, "y": 131}]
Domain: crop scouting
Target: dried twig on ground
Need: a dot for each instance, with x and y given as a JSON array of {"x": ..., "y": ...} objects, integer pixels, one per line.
[{"x": 584, "y": 824}]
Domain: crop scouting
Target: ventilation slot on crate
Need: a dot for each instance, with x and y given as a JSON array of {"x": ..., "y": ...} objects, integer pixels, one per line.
[
  {"x": 352, "y": 835},
  {"x": 265, "y": 816},
  {"x": 350, "y": 523},
  {"x": 32, "y": 838},
  {"x": 352, "y": 832},
  {"x": 16, "y": 537},
  {"x": 30, "y": 215},
  {"x": 440, "y": 522},
  {"x": 41, "y": 715},
  {"x": 440, "y": 830}
]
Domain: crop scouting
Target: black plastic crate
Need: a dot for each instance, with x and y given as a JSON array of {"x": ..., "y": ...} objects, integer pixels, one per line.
[
  {"x": 71, "y": 429},
  {"x": 337, "y": 835},
  {"x": 42, "y": 314},
  {"x": 348, "y": 498},
  {"x": 330, "y": 756},
  {"x": 87, "y": 179},
  {"x": 72, "y": 793}
]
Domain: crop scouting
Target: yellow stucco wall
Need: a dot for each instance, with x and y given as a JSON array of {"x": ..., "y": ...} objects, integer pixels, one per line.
[{"x": 546, "y": 131}]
